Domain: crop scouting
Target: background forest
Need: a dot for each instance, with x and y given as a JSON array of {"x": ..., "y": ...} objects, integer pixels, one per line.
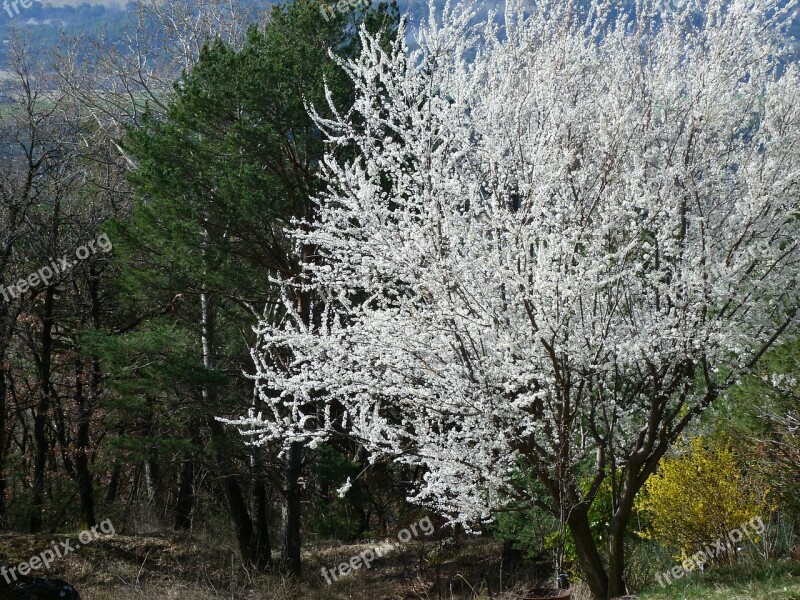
[{"x": 163, "y": 150}]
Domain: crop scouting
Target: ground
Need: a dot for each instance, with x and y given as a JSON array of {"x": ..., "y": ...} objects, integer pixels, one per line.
[
  {"x": 189, "y": 568},
  {"x": 779, "y": 580}
]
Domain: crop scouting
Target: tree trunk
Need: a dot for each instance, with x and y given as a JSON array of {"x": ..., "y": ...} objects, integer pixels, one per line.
[
  {"x": 290, "y": 556},
  {"x": 3, "y": 516},
  {"x": 113, "y": 485},
  {"x": 39, "y": 464},
  {"x": 41, "y": 445},
  {"x": 616, "y": 565},
  {"x": 253, "y": 553},
  {"x": 290, "y": 552},
  {"x": 86, "y": 405},
  {"x": 184, "y": 504},
  {"x": 83, "y": 474},
  {"x": 85, "y": 483},
  {"x": 152, "y": 473},
  {"x": 604, "y": 584},
  {"x": 262, "y": 519},
  {"x": 61, "y": 426},
  {"x": 588, "y": 557},
  {"x": 152, "y": 466},
  {"x": 636, "y": 475},
  {"x": 137, "y": 477},
  {"x": 619, "y": 524}
]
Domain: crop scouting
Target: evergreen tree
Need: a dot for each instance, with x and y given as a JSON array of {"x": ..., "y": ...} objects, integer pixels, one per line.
[{"x": 220, "y": 178}]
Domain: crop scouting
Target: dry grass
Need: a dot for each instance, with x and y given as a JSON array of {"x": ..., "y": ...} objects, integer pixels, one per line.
[{"x": 172, "y": 567}]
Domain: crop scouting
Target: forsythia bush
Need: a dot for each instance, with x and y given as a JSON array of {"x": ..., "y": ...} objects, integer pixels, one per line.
[{"x": 698, "y": 497}]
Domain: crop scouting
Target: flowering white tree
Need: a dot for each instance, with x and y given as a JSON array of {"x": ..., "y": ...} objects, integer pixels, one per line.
[{"x": 546, "y": 246}]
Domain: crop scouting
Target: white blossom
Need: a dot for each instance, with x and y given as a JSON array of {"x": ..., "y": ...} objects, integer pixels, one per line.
[{"x": 558, "y": 239}]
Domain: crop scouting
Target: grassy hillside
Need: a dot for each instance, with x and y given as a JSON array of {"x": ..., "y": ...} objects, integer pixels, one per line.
[{"x": 776, "y": 581}]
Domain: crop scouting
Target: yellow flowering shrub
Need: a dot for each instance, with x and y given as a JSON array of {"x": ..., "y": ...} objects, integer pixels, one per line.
[{"x": 697, "y": 497}]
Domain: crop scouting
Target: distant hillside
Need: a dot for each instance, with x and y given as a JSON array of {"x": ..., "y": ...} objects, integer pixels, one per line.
[{"x": 45, "y": 22}]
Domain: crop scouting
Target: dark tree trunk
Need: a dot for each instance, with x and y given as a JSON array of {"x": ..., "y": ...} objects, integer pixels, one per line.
[
  {"x": 85, "y": 483},
  {"x": 137, "y": 478},
  {"x": 152, "y": 472},
  {"x": 82, "y": 473},
  {"x": 637, "y": 473},
  {"x": 619, "y": 524},
  {"x": 113, "y": 485},
  {"x": 86, "y": 404},
  {"x": 616, "y": 565},
  {"x": 588, "y": 557},
  {"x": 610, "y": 583},
  {"x": 290, "y": 556},
  {"x": 512, "y": 558},
  {"x": 152, "y": 466},
  {"x": 3, "y": 516},
  {"x": 39, "y": 464},
  {"x": 262, "y": 519},
  {"x": 61, "y": 428},
  {"x": 255, "y": 555},
  {"x": 41, "y": 444},
  {"x": 184, "y": 504},
  {"x": 290, "y": 551}
]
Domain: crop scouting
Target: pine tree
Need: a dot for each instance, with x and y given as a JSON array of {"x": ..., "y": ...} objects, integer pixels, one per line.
[{"x": 220, "y": 178}]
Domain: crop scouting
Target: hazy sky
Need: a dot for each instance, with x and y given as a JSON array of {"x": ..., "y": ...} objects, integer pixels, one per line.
[{"x": 78, "y": 2}]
